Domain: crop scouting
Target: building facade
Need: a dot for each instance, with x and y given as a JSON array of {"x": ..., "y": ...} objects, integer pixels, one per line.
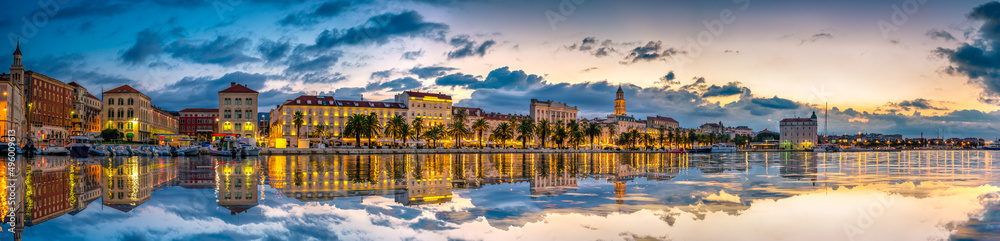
[
  {"x": 326, "y": 111},
  {"x": 131, "y": 113},
  {"x": 86, "y": 111},
  {"x": 552, "y": 111},
  {"x": 656, "y": 122},
  {"x": 198, "y": 123},
  {"x": 238, "y": 111},
  {"x": 50, "y": 104},
  {"x": 620, "y": 102},
  {"x": 433, "y": 109},
  {"x": 13, "y": 99},
  {"x": 800, "y": 132}
]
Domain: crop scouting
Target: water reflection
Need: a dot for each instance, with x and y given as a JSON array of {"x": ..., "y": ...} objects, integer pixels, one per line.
[{"x": 513, "y": 196}]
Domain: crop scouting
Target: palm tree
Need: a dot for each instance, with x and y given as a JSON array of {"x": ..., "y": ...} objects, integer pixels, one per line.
[
  {"x": 320, "y": 131},
  {"x": 525, "y": 130},
  {"x": 406, "y": 133},
  {"x": 503, "y": 133},
  {"x": 374, "y": 125},
  {"x": 297, "y": 121},
  {"x": 393, "y": 128},
  {"x": 662, "y": 129},
  {"x": 460, "y": 115},
  {"x": 355, "y": 127},
  {"x": 458, "y": 130},
  {"x": 480, "y": 126},
  {"x": 575, "y": 138},
  {"x": 592, "y": 130},
  {"x": 418, "y": 127},
  {"x": 544, "y": 130},
  {"x": 434, "y": 134},
  {"x": 560, "y": 134}
]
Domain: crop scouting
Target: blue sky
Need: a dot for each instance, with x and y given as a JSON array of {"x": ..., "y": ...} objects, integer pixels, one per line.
[{"x": 886, "y": 66}]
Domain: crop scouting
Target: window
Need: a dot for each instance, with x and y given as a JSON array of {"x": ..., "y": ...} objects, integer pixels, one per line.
[
  {"x": 249, "y": 113},
  {"x": 130, "y": 101},
  {"x": 111, "y": 113},
  {"x": 248, "y": 127},
  {"x": 238, "y": 100},
  {"x": 111, "y": 101},
  {"x": 227, "y": 126},
  {"x": 239, "y": 114},
  {"x": 228, "y": 114},
  {"x": 237, "y": 126},
  {"x": 130, "y": 113},
  {"x": 228, "y": 101},
  {"x": 121, "y": 101},
  {"x": 249, "y": 101},
  {"x": 121, "y": 113}
]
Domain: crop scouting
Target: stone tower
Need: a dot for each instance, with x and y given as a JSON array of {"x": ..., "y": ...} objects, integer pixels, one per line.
[{"x": 620, "y": 102}]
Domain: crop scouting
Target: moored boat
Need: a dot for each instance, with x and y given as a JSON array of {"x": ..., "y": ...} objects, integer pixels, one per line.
[
  {"x": 723, "y": 148},
  {"x": 992, "y": 146}
]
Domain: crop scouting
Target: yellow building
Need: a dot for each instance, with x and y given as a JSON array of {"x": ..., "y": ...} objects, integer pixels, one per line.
[
  {"x": 130, "y": 112},
  {"x": 127, "y": 184},
  {"x": 237, "y": 111},
  {"x": 434, "y": 109},
  {"x": 552, "y": 111},
  {"x": 324, "y": 110},
  {"x": 236, "y": 185}
]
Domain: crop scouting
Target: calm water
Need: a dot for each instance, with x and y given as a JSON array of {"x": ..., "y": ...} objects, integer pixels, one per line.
[{"x": 927, "y": 195}]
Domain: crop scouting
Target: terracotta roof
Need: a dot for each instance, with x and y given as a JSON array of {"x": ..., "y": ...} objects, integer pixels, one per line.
[
  {"x": 215, "y": 110},
  {"x": 422, "y": 94},
  {"x": 503, "y": 117},
  {"x": 123, "y": 89},
  {"x": 797, "y": 120},
  {"x": 92, "y": 96},
  {"x": 661, "y": 118},
  {"x": 74, "y": 84},
  {"x": 472, "y": 111},
  {"x": 312, "y": 100},
  {"x": 237, "y": 88}
]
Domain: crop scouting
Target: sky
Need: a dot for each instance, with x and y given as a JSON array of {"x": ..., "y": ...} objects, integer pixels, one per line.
[{"x": 906, "y": 67}]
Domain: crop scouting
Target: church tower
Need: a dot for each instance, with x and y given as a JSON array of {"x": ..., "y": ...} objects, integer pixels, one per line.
[
  {"x": 16, "y": 69},
  {"x": 620, "y": 102}
]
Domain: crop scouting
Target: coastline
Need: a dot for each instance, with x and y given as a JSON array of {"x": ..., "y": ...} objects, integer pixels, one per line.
[{"x": 353, "y": 151}]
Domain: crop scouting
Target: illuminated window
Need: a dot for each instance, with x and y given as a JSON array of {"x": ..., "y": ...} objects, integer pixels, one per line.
[
  {"x": 227, "y": 126},
  {"x": 248, "y": 127}
]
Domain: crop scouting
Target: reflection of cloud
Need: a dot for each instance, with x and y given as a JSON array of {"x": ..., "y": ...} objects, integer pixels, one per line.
[{"x": 723, "y": 197}]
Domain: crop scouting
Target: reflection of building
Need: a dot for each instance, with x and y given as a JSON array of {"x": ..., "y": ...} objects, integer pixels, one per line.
[
  {"x": 328, "y": 177},
  {"x": 237, "y": 185},
  {"x": 199, "y": 124},
  {"x": 552, "y": 184},
  {"x": 620, "y": 189},
  {"x": 800, "y": 132},
  {"x": 51, "y": 195},
  {"x": 128, "y": 183},
  {"x": 87, "y": 186},
  {"x": 805, "y": 169},
  {"x": 426, "y": 184},
  {"x": 196, "y": 173},
  {"x": 237, "y": 108}
]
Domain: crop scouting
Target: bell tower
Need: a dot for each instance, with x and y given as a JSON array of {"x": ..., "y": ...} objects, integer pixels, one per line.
[
  {"x": 620, "y": 102},
  {"x": 16, "y": 69}
]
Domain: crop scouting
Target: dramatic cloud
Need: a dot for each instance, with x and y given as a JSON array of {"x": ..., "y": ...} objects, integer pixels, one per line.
[
  {"x": 380, "y": 75},
  {"x": 817, "y": 37},
  {"x": 202, "y": 92},
  {"x": 222, "y": 51},
  {"x": 501, "y": 78},
  {"x": 273, "y": 51},
  {"x": 148, "y": 43},
  {"x": 400, "y": 84},
  {"x": 730, "y": 89},
  {"x": 468, "y": 48},
  {"x": 668, "y": 79},
  {"x": 413, "y": 55},
  {"x": 430, "y": 72},
  {"x": 652, "y": 51},
  {"x": 916, "y": 104},
  {"x": 319, "y": 64},
  {"x": 325, "y": 11},
  {"x": 380, "y": 29},
  {"x": 940, "y": 34},
  {"x": 590, "y": 45},
  {"x": 980, "y": 59}
]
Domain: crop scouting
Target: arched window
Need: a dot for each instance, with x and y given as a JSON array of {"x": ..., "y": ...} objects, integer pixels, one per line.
[
  {"x": 228, "y": 101},
  {"x": 111, "y": 113},
  {"x": 249, "y": 113},
  {"x": 121, "y": 113},
  {"x": 130, "y": 112},
  {"x": 239, "y": 101},
  {"x": 249, "y": 101},
  {"x": 239, "y": 114},
  {"x": 121, "y": 101},
  {"x": 130, "y": 101},
  {"x": 111, "y": 101}
]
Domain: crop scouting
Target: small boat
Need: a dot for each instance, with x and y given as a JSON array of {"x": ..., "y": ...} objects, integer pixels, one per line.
[
  {"x": 724, "y": 148},
  {"x": 190, "y": 151},
  {"x": 992, "y": 146},
  {"x": 56, "y": 147},
  {"x": 162, "y": 151},
  {"x": 224, "y": 147},
  {"x": 677, "y": 151},
  {"x": 134, "y": 152},
  {"x": 249, "y": 150},
  {"x": 97, "y": 150},
  {"x": 79, "y": 146}
]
